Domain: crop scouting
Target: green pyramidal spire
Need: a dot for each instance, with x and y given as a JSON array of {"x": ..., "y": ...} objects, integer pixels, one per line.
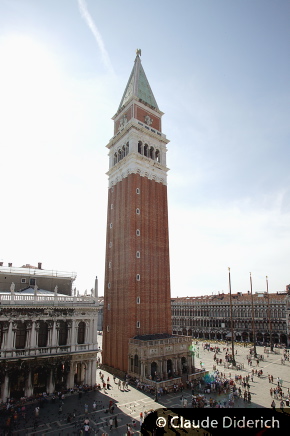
[{"x": 138, "y": 86}]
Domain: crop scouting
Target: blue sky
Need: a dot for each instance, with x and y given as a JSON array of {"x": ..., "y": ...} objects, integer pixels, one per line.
[{"x": 220, "y": 72}]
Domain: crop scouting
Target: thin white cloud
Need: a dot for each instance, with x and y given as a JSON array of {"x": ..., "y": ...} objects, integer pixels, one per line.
[{"x": 98, "y": 37}]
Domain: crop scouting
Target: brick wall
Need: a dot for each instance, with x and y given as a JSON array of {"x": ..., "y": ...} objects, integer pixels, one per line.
[{"x": 154, "y": 311}]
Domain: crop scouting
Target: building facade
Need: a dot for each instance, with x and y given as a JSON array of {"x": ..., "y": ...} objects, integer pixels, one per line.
[
  {"x": 48, "y": 341},
  {"x": 208, "y": 317},
  {"x": 29, "y": 275},
  {"x": 137, "y": 276}
]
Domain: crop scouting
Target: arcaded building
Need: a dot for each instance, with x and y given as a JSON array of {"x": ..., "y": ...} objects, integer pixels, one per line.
[
  {"x": 137, "y": 275},
  {"x": 48, "y": 340},
  {"x": 208, "y": 316}
]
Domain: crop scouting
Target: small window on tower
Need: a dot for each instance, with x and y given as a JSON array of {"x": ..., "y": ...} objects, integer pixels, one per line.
[
  {"x": 109, "y": 306},
  {"x": 109, "y": 285},
  {"x": 138, "y": 277},
  {"x": 137, "y": 232},
  {"x": 110, "y": 264},
  {"x": 112, "y": 206},
  {"x": 138, "y": 324},
  {"x": 111, "y": 225},
  {"x": 110, "y": 245},
  {"x": 138, "y": 211},
  {"x": 108, "y": 328},
  {"x": 137, "y": 191},
  {"x": 138, "y": 254},
  {"x": 138, "y": 300}
]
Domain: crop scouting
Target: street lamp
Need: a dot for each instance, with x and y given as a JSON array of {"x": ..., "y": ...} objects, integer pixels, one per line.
[
  {"x": 253, "y": 318},
  {"x": 269, "y": 316},
  {"x": 232, "y": 324}
]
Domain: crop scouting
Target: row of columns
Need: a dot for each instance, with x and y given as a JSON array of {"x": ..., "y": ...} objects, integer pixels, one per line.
[
  {"x": 243, "y": 335},
  {"x": 162, "y": 366},
  {"x": 86, "y": 371},
  {"x": 10, "y": 328}
]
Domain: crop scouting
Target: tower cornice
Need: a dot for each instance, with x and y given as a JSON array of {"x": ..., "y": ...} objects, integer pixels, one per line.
[
  {"x": 138, "y": 126},
  {"x": 134, "y": 163}
]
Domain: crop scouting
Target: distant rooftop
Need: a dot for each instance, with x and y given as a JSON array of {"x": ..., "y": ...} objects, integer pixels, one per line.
[
  {"x": 239, "y": 296},
  {"x": 29, "y": 270}
]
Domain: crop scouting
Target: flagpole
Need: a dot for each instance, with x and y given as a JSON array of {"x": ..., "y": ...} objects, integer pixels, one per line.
[
  {"x": 253, "y": 318},
  {"x": 269, "y": 315},
  {"x": 231, "y": 315}
]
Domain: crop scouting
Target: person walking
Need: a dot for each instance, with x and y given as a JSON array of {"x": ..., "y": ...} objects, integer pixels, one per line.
[
  {"x": 111, "y": 422},
  {"x": 273, "y": 405}
]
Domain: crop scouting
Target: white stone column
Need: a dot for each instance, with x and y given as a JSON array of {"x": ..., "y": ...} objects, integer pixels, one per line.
[
  {"x": 33, "y": 335},
  {"x": 94, "y": 340},
  {"x": 54, "y": 335},
  {"x": 142, "y": 370},
  {"x": 93, "y": 372},
  {"x": 87, "y": 333},
  {"x": 5, "y": 340},
  {"x": 88, "y": 372},
  {"x": 5, "y": 389},
  {"x": 70, "y": 377},
  {"x": 28, "y": 391},
  {"x": 73, "y": 335},
  {"x": 12, "y": 337},
  {"x": 9, "y": 336},
  {"x": 50, "y": 385},
  {"x": 84, "y": 368}
]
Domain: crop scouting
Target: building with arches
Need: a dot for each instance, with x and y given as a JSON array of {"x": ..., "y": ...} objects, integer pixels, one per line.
[
  {"x": 208, "y": 317},
  {"x": 48, "y": 341}
]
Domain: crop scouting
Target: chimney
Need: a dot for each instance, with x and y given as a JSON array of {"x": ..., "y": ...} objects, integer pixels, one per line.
[
  {"x": 39, "y": 265},
  {"x": 10, "y": 265}
]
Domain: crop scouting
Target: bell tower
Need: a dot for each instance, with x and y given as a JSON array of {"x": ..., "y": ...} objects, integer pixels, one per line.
[{"x": 137, "y": 276}]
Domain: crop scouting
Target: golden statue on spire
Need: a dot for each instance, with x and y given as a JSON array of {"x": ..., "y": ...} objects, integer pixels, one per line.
[{"x": 138, "y": 52}]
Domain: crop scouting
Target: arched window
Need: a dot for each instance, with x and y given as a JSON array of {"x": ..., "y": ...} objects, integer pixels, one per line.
[
  {"x": 81, "y": 332},
  {"x": 20, "y": 338},
  {"x": 42, "y": 334},
  {"x": 119, "y": 155},
  {"x": 146, "y": 150},
  {"x": 115, "y": 158},
  {"x": 157, "y": 156},
  {"x": 151, "y": 153},
  {"x": 63, "y": 333},
  {"x": 140, "y": 147},
  {"x": 127, "y": 149}
]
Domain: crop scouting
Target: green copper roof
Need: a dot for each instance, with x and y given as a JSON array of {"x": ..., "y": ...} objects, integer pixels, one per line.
[{"x": 138, "y": 86}]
